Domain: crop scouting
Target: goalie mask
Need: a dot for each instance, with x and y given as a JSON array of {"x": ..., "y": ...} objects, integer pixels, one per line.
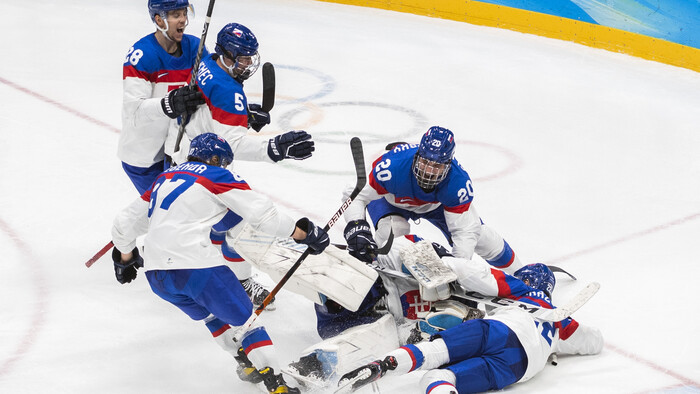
[
  {"x": 538, "y": 276},
  {"x": 205, "y": 147},
  {"x": 239, "y": 45},
  {"x": 432, "y": 162}
]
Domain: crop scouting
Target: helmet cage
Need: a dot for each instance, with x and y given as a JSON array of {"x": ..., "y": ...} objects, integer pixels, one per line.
[
  {"x": 429, "y": 173},
  {"x": 538, "y": 276},
  {"x": 433, "y": 160}
]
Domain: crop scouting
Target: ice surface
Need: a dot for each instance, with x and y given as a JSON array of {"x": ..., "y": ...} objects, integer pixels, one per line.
[{"x": 580, "y": 157}]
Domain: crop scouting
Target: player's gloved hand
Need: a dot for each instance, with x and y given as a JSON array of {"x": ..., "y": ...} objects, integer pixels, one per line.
[
  {"x": 361, "y": 244},
  {"x": 295, "y": 145},
  {"x": 182, "y": 101},
  {"x": 441, "y": 250},
  {"x": 126, "y": 271},
  {"x": 257, "y": 118},
  {"x": 316, "y": 238}
]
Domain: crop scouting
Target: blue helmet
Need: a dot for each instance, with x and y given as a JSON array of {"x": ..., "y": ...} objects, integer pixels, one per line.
[
  {"x": 205, "y": 146},
  {"x": 433, "y": 160},
  {"x": 538, "y": 276},
  {"x": 236, "y": 40},
  {"x": 161, "y": 7}
]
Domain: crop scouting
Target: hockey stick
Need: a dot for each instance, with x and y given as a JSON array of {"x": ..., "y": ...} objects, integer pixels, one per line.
[
  {"x": 554, "y": 268},
  {"x": 268, "y": 95},
  {"x": 195, "y": 68},
  {"x": 549, "y": 315},
  {"x": 99, "y": 254},
  {"x": 359, "y": 158}
]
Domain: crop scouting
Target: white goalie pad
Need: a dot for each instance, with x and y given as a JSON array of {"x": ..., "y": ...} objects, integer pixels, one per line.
[
  {"x": 425, "y": 265},
  {"x": 333, "y": 273},
  {"x": 356, "y": 346}
]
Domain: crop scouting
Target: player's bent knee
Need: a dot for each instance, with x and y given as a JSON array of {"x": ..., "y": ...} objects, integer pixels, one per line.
[{"x": 388, "y": 224}]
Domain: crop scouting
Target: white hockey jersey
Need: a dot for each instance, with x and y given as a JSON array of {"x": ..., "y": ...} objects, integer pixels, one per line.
[
  {"x": 539, "y": 339},
  {"x": 178, "y": 212},
  {"x": 149, "y": 73}
]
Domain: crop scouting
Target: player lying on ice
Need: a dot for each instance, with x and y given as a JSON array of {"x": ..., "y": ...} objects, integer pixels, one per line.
[
  {"x": 184, "y": 268},
  {"x": 503, "y": 348}
]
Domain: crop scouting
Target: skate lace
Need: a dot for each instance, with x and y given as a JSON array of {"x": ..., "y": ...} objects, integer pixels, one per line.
[{"x": 255, "y": 290}]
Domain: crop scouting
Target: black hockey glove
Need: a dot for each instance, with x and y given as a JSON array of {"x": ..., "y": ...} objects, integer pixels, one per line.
[
  {"x": 257, "y": 118},
  {"x": 316, "y": 237},
  {"x": 182, "y": 101},
  {"x": 361, "y": 245},
  {"x": 441, "y": 250},
  {"x": 126, "y": 272},
  {"x": 295, "y": 145}
]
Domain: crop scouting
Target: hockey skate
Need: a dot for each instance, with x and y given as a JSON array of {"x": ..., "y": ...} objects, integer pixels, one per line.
[
  {"x": 257, "y": 293},
  {"x": 246, "y": 371},
  {"x": 366, "y": 374},
  {"x": 275, "y": 384},
  {"x": 308, "y": 372}
]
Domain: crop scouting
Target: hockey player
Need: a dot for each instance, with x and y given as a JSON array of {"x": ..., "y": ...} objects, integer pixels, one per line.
[
  {"x": 184, "y": 268},
  {"x": 424, "y": 181},
  {"x": 155, "y": 69},
  {"x": 506, "y": 347},
  {"x": 393, "y": 313},
  {"x": 220, "y": 78},
  {"x": 227, "y": 113}
]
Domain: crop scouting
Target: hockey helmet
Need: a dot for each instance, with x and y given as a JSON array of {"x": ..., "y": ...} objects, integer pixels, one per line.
[
  {"x": 433, "y": 160},
  {"x": 238, "y": 43},
  {"x": 538, "y": 276},
  {"x": 205, "y": 146},
  {"x": 161, "y": 7}
]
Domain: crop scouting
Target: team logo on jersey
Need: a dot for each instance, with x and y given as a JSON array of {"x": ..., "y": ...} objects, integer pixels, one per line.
[{"x": 413, "y": 305}]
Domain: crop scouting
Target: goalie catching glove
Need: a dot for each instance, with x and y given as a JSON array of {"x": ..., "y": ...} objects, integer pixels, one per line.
[
  {"x": 182, "y": 101},
  {"x": 316, "y": 238},
  {"x": 361, "y": 245},
  {"x": 295, "y": 145},
  {"x": 125, "y": 271}
]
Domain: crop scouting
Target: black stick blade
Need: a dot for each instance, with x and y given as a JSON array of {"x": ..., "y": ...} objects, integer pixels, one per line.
[{"x": 268, "y": 96}]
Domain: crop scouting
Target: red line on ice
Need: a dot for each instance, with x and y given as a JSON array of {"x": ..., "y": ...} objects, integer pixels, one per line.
[
  {"x": 37, "y": 318},
  {"x": 59, "y": 105}
]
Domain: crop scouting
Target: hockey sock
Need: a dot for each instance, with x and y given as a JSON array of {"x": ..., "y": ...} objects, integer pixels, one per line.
[
  {"x": 435, "y": 354},
  {"x": 217, "y": 328},
  {"x": 439, "y": 381},
  {"x": 258, "y": 346}
]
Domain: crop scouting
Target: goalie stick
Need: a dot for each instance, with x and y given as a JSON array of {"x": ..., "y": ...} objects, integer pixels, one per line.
[
  {"x": 359, "y": 160},
  {"x": 195, "y": 68},
  {"x": 550, "y": 315}
]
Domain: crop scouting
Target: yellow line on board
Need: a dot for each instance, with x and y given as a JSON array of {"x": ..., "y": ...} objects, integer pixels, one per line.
[{"x": 596, "y": 36}]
